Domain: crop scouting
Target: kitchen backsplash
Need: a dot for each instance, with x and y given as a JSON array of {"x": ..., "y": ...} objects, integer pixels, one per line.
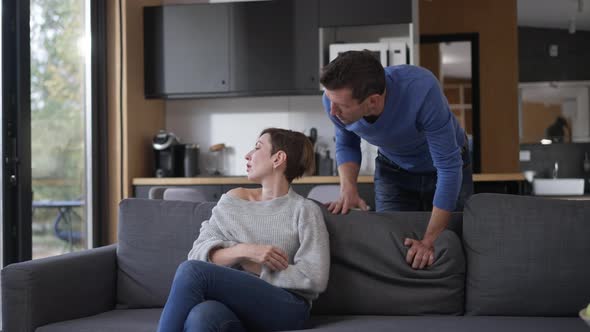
[
  {"x": 542, "y": 158},
  {"x": 236, "y": 122}
]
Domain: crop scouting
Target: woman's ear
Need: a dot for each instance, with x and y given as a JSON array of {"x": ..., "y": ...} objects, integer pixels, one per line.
[{"x": 279, "y": 158}]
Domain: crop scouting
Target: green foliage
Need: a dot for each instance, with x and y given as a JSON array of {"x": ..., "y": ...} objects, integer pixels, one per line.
[{"x": 57, "y": 99}]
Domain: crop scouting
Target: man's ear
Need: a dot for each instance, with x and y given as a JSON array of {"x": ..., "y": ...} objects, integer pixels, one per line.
[
  {"x": 373, "y": 102},
  {"x": 279, "y": 158},
  {"x": 374, "y": 99}
]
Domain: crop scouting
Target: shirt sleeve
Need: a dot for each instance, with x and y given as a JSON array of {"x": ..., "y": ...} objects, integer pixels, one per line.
[
  {"x": 311, "y": 264},
  {"x": 348, "y": 144},
  {"x": 210, "y": 236},
  {"x": 440, "y": 130}
]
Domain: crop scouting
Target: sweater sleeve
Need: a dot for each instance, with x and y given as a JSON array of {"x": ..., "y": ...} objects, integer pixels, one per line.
[
  {"x": 440, "y": 131},
  {"x": 311, "y": 264},
  {"x": 210, "y": 236}
]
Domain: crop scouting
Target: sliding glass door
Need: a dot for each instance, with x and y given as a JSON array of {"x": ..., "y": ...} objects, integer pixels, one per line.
[
  {"x": 16, "y": 193},
  {"x": 47, "y": 132},
  {"x": 60, "y": 105}
]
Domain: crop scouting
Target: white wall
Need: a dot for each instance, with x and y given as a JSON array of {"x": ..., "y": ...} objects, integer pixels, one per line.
[{"x": 238, "y": 121}]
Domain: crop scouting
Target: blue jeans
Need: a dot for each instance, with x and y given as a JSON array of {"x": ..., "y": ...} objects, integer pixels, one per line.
[
  {"x": 209, "y": 297},
  {"x": 399, "y": 190}
]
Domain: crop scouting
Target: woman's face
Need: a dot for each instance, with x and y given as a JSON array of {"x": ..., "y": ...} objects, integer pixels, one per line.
[{"x": 259, "y": 160}]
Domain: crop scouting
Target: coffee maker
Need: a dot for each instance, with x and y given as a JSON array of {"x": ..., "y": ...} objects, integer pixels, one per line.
[{"x": 168, "y": 155}]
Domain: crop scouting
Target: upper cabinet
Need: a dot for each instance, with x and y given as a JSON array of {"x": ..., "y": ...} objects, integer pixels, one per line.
[
  {"x": 249, "y": 48},
  {"x": 334, "y": 13},
  {"x": 186, "y": 49}
]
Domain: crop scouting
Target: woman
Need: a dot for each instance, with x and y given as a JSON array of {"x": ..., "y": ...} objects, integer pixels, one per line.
[{"x": 277, "y": 239}]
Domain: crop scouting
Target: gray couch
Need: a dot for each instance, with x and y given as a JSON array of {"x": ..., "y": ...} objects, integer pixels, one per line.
[{"x": 509, "y": 263}]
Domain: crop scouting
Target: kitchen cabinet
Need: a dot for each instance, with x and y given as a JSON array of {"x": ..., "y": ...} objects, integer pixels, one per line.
[
  {"x": 232, "y": 49},
  {"x": 211, "y": 192},
  {"x": 213, "y": 187},
  {"x": 334, "y": 13},
  {"x": 214, "y": 192},
  {"x": 186, "y": 49}
]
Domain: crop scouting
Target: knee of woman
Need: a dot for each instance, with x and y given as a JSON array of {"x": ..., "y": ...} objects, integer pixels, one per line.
[
  {"x": 190, "y": 268},
  {"x": 196, "y": 317},
  {"x": 209, "y": 315},
  {"x": 192, "y": 265}
]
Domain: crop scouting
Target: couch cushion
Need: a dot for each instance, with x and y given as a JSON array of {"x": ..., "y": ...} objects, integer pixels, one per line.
[
  {"x": 526, "y": 256},
  {"x": 369, "y": 274},
  {"x": 145, "y": 320},
  {"x": 136, "y": 320},
  {"x": 445, "y": 324},
  {"x": 155, "y": 236}
]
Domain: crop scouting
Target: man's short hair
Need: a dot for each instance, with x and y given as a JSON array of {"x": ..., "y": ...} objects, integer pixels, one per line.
[{"x": 359, "y": 71}]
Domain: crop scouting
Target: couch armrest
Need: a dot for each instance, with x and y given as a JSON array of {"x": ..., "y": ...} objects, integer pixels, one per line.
[{"x": 53, "y": 289}]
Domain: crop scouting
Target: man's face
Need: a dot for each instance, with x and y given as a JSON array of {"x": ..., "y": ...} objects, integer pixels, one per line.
[{"x": 344, "y": 107}]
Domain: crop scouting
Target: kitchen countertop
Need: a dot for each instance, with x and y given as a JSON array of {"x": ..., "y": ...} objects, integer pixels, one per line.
[{"x": 214, "y": 180}]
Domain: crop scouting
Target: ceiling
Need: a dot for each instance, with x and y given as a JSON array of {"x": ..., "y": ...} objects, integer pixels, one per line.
[{"x": 553, "y": 13}]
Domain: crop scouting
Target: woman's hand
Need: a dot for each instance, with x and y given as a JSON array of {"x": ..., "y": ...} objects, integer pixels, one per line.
[{"x": 273, "y": 257}]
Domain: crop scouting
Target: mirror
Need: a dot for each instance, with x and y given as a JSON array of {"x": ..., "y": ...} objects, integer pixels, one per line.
[
  {"x": 454, "y": 60},
  {"x": 554, "y": 112}
]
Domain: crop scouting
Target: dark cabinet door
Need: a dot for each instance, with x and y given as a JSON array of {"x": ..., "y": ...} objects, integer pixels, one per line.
[
  {"x": 306, "y": 56},
  {"x": 196, "y": 46},
  {"x": 334, "y": 13},
  {"x": 250, "y": 48},
  {"x": 274, "y": 47},
  {"x": 261, "y": 49},
  {"x": 187, "y": 49}
]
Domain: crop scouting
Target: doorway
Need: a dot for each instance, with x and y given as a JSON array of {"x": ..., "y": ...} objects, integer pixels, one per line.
[{"x": 454, "y": 60}]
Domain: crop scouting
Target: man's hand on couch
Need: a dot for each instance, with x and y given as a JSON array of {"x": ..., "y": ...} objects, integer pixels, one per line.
[{"x": 420, "y": 254}]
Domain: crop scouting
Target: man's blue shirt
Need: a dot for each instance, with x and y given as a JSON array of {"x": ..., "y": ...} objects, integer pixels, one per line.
[{"x": 416, "y": 130}]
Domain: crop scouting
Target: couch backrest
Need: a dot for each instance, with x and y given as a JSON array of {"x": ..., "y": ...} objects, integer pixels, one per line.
[
  {"x": 154, "y": 238},
  {"x": 368, "y": 274},
  {"x": 526, "y": 256}
]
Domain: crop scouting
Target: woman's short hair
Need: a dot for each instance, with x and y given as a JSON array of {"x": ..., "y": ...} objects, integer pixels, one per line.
[
  {"x": 359, "y": 71},
  {"x": 297, "y": 147}
]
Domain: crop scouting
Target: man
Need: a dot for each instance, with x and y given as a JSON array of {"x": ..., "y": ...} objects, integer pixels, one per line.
[
  {"x": 423, "y": 162},
  {"x": 556, "y": 131}
]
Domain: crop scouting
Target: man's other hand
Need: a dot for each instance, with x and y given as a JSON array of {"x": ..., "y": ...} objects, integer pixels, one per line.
[
  {"x": 348, "y": 200},
  {"x": 420, "y": 254}
]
